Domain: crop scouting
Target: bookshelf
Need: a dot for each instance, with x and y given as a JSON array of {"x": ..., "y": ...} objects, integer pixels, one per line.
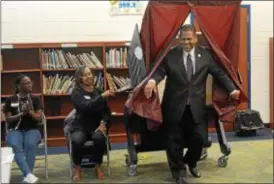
[{"x": 51, "y": 66}]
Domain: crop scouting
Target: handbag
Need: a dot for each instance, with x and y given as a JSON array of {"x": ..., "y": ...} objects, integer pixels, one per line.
[
  {"x": 248, "y": 120},
  {"x": 71, "y": 117}
]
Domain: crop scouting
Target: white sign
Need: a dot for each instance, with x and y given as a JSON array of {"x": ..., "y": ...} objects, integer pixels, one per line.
[
  {"x": 121, "y": 7},
  {"x": 69, "y": 45},
  {"x": 6, "y": 46}
]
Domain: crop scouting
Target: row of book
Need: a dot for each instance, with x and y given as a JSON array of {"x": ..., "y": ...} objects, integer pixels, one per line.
[
  {"x": 63, "y": 84},
  {"x": 58, "y": 59},
  {"x": 56, "y": 84},
  {"x": 117, "y": 83},
  {"x": 116, "y": 58}
]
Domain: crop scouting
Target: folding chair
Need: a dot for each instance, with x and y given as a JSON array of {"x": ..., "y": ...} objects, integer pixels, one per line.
[
  {"x": 42, "y": 143},
  {"x": 87, "y": 160}
]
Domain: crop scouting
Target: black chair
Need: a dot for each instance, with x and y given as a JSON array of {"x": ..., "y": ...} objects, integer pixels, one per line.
[{"x": 87, "y": 159}]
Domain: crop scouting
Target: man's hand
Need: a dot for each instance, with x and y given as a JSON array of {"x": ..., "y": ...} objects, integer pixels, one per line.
[
  {"x": 234, "y": 95},
  {"x": 149, "y": 88}
]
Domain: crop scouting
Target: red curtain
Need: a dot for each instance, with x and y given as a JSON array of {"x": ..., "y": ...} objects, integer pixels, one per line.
[
  {"x": 161, "y": 23},
  {"x": 219, "y": 24},
  {"x": 223, "y": 37}
]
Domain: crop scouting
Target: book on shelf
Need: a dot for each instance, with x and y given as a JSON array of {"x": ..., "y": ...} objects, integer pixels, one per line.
[
  {"x": 118, "y": 83},
  {"x": 116, "y": 58},
  {"x": 3, "y": 117},
  {"x": 99, "y": 80},
  {"x": 57, "y": 84},
  {"x": 63, "y": 84},
  {"x": 58, "y": 59}
]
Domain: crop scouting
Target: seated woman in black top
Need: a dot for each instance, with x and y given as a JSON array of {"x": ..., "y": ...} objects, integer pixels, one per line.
[
  {"x": 23, "y": 112},
  {"x": 92, "y": 117}
]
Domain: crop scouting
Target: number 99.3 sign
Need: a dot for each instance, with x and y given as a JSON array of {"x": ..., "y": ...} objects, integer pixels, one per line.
[{"x": 132, "y": 7}]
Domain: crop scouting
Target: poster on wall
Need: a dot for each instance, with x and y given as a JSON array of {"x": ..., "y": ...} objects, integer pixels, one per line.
[{"x": 121, "y": 7}]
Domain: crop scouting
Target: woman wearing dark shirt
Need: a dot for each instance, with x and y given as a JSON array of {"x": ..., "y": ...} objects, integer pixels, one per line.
[
  {"x": 92, "y": 118},
  {"x": 23, "y": 112}
]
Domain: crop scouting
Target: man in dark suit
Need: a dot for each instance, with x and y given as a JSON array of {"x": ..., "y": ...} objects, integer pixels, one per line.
[{"x": 184, "y": 101}]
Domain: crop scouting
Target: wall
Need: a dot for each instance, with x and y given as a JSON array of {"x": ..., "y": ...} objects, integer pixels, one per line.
[
  {"x": 61, "y": 21},
  {"x": 68, "y": 21},
  {"x": 261, "y": 30}
]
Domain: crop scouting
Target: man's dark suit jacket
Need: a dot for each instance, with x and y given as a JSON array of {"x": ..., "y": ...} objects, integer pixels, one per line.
[{"x": 178, "y": 89}]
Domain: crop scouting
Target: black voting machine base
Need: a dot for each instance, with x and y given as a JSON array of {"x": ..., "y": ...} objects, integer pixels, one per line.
[{"x": 148, "y": 141}]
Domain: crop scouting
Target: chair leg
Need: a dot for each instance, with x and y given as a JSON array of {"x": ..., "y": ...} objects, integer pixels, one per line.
[
  {"x": 45, "y": 144},
  {"x": 108, "y": 161},
  {"x": 46, "y": 160}
]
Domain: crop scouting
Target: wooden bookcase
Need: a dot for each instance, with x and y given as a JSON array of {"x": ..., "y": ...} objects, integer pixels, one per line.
[{"x": 28, "y": 59}]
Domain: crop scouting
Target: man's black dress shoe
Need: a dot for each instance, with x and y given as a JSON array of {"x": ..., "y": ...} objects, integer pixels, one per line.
[
  {"x": 181, "y": 180},
  {"x": 195, "y": 171}
]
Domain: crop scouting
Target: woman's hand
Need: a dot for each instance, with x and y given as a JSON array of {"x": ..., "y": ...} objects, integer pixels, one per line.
[
  {"x": 102, "y": 127},
  {"x": 108, "y": 93},
  {"x": 25, "y": 109}
]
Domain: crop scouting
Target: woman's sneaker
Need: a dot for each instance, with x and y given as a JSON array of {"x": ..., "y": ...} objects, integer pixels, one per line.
[{"x": 30, "y": 178}]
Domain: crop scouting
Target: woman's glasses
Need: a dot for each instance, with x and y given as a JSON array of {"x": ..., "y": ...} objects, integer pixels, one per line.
[{"x": 27, "y": 83}]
